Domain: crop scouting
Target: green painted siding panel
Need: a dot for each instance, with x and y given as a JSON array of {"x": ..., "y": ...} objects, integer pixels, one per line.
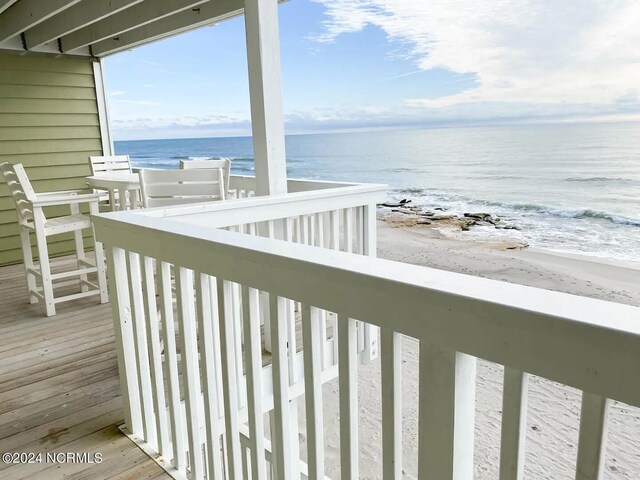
[
  {"x": 47, "y": 119},
  {"x": 47, "y": 64},
  {"x": 18, "y": 77},
  {"x": 51, "y": 159},
  {"x": 46, "y": 105},
  {"x": 47, "y": 91},
  {"x": 45, "y": 146},
  {"x": 55, "y": 249},
  {"x": 48, "y": 133},
  {"x": 13, "y": 243},
  {"x": 49, "y": 123}
]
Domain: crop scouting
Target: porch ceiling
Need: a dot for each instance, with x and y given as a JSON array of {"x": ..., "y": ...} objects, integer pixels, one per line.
[{"x": 97, "y": 28}]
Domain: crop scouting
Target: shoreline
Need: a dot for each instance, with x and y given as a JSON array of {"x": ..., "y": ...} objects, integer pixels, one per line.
[{"x": 610, "y": 280}]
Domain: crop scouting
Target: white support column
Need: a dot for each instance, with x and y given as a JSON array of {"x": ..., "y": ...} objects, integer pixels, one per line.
[
  {"x": 103, "y": 109},
  {"x": 267, "y": 122}
]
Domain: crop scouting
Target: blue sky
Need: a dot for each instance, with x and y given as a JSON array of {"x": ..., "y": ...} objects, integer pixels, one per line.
[{"x": 361, "y": 64}]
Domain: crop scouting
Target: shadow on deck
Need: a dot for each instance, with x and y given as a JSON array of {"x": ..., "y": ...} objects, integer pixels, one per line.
[{"x": 59, "y": 389}]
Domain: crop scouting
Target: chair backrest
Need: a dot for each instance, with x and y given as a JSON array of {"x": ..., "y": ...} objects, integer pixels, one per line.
[
  {"x": 175, "y": 187},
  {"x": 111, "y": 163},
  {"x": 223, "y": 163},
  {"x": 21, "y": 190}
]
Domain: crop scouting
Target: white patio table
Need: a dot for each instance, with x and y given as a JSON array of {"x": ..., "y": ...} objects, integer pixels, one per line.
[{"x": 127, "y": 185}]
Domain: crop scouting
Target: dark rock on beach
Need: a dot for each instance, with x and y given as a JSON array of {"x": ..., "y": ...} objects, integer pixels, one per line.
[
  {"x": 413, "y": 215},
  {"x": 401, "y": 203}
]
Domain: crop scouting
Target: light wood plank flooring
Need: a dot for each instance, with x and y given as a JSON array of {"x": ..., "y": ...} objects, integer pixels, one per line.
[{"x": 59, "y": 389}]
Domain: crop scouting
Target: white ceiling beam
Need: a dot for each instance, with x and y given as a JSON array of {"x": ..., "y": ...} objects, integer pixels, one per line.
[
  {"x": 4, "y": 4},
  {"x": 26, "y": 14},
  {"x": 14, "y": 45},
  {"x": 134, "y": 17},
  {"x": 206, "y": 14},
  {"x": 74, "y": 18}
]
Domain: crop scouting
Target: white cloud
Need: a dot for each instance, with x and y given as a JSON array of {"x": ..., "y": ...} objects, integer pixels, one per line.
[{"x": 544, "y": 52}]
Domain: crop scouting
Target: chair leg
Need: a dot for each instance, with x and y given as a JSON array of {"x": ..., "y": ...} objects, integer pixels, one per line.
[
  {"x": 28, "y": 264},
  {"x": 102, "y": 276},
  {"x": 100, "y": 260},
  {"x": 80, "y": 255},
  {"x": 45, "y": 272}
]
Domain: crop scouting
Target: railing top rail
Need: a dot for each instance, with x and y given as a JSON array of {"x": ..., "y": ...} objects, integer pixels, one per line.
[
  {"x": 586, "y": 343},
  {"x": 301, "y": 182},
  {"x": 256, "y": 209}
]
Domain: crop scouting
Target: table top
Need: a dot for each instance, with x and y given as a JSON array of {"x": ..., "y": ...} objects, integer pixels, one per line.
[{"x": 115, "y": 180}]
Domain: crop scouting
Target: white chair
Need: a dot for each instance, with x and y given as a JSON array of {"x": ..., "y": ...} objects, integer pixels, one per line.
[
  {"x": 223, "y": 163},
  {"x": 161, "y": 188},
  {"x": 31, "y": 219},
  {"x": 105, "y": 165},
  {"x": 108, "y": 164}
]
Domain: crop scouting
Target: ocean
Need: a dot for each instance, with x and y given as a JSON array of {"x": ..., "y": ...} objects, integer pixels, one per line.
[{"x": 572, "y": 188}]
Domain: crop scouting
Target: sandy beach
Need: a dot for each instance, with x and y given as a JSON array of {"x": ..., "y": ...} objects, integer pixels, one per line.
[{"x": 553, "y": 411}]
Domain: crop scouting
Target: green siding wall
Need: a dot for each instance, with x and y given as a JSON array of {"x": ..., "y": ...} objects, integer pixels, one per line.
[{"x": 49, "y": 123}]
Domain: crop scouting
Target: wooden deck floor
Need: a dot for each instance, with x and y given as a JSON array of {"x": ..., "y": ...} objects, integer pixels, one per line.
[{"x": 59, "y": 389}]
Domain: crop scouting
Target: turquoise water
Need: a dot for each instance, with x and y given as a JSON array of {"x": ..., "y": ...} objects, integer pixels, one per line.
[{"x": 569, "y": 187}]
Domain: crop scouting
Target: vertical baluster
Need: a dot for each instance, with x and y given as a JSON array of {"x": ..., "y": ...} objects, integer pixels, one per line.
[
  {"x": 312, "y": 336},
  {"x": 245, "y": 461},
  {"x": 207, "y": 318},
  {"x": 304, "y": 229},
  {"x": 312, "y": 229},
  {"x": 297, "y": 230},
  {"x": 391, "y": 366},
  {"x": 446, "y": 413},
  {"x": 264, "y": 301},
  {"x": 514, "y": 421},
  {"x": 125, "y": 348},
  {"x": 229, "y": 378},
  {"x": 358, "y": 248},
  {"x": 348, "y": 230},
  {"x": 142, "y": 352},
  {"x": 593, "y": 435},
  {"x": 334, "y": 230},
  {"x": 171, "y": 367},
  {"x": 237, "y": 329},
  {"x": 190, "y": 368},
  {"x": 253, "y": 361},
  {"x": 370, "y": 241},
  {"x": 155, "y": 357},
  {"x": 359, "y": 230},
  {"x": 348, "y": 375},
  {"x": 326, "y": 231},
  {"x": 334, "y": 244},
  {"x": 281, "y": 430},
  {"x": 291, "y": 316},
  {"x": 217, "y": 348}
]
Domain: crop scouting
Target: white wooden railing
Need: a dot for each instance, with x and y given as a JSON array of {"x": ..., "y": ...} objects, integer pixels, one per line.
[
  {"x": 331, "y": 216},
  {"x": 588, "y": 344},
  {"x": 244, "y": 186}
]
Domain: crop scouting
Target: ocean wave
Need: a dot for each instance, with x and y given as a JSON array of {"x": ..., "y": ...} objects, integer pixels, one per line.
[
  {"x": 578, "y": 214},
  {"x": 469, "y": 203},
  {"x": 413, "y": 190},
  {"x": 402, "y": 170},
  {"x": 597, "y": 179}
]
